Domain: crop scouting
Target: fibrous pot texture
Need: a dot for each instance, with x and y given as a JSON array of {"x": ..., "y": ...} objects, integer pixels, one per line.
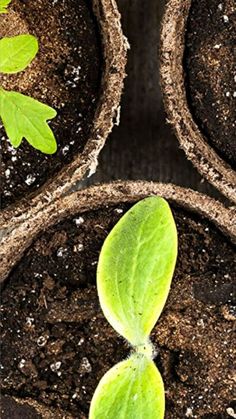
[
  {"x": 57, "y": 343},
  {"x": 79, "y": 70},
  {"x": 198, "y": 84}
]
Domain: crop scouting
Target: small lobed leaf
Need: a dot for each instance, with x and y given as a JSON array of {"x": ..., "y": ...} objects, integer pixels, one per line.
[
  {"x": 132, "y": 389},
  {"x": 17, "y": 52},
  {"x": 3, "y": 5},
  {"x": 135, "y": 269},
  {"x": 24, "y": 117}
]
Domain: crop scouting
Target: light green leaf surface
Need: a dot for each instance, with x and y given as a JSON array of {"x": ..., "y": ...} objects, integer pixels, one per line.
[
  {"x": 132, "y": 389},
  {"x": 17, "y": 52},
  {"x": 3, "y": 5},
  {"x": 135, "y": 269},
  {"x": 24, "y": 117}
]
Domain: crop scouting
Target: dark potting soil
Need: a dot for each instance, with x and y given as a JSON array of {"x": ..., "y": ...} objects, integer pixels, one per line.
[
  {"x": 57, "y": 343},
  {"x": 66, "y": 75},
  {"x": 210, "y": 61}
]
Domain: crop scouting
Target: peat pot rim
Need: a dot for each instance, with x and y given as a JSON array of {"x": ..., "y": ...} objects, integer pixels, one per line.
[
  {"x": 191, "y": 140},
  {"x": 115, "y": 47},
  {"x": 95, "y": 197}
]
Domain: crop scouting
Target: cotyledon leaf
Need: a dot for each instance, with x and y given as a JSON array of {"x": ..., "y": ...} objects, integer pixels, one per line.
[
  {"x": 132, "y": 389},
  {"x": 24, "y": 117},
  {"x": 135, "y": 269},
  {"x": 17, "y": 52},
  {"x": 3, "y": 5}
]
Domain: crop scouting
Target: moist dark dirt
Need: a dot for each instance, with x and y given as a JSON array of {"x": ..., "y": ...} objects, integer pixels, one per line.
[
  {"x": 210, "y": 61},
  {"x": 66, "y": 75},
  {"x": 57, "y": 343}
]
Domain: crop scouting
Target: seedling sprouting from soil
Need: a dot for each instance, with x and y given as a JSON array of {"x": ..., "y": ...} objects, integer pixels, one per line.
[
  {"x": 22, "y": 116},
  {"x": 135, "y": 270}
]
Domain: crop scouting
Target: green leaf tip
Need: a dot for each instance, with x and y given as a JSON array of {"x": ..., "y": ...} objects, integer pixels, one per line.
[
  {"x": 134, "y": 275},
  {"x": 3, "y": 5},
  {"x": 135, "y": 269},
  {"x": 132, "y": 389},
  {"x": 24, "y": 117},
  {"x": 17, "y": 52}
]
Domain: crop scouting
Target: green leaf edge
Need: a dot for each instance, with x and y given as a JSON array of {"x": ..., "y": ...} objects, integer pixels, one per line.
[
  {"x": 53, "y": 115},
  {"x": 135, "y": 364},
  {"x": 120, "y": 329},
  {"x": 35, "y": 46},
  {"x": 144, "y": 352}
]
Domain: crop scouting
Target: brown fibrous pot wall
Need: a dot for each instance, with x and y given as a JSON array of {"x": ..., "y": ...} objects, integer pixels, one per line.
[
  {"x": 115, "y": 47},
  {"x": 192, "y": 141},
  {"x": 14, "y": 245}
]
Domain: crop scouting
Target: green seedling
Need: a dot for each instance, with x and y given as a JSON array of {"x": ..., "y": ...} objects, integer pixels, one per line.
[
  {"x": 134, "y": 275},
  {"x": 22, "y": 116},
  {"x": 3, "y": 5}
]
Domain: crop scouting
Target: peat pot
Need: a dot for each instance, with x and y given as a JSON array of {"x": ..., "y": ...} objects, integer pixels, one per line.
[
  {"x": 198, "y": 83},
  {"x": 79, "y": 71},
  {"x": 57, "y": 343}
]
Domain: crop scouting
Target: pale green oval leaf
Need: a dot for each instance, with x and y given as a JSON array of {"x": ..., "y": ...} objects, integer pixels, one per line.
[
  {"x": 132, "y": 389},
  {"x": 135, "y": 269},
  {"x": 24, "y": 117},
  {"x": 17, "y": 52},
  {"x": 3, "y": 5}
]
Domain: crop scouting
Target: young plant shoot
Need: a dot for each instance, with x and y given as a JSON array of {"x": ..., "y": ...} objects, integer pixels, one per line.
[
  {"x": 134, "y": 274},
  {"x": 22, "y": 116},
  {"x": 3, "y": 5}
]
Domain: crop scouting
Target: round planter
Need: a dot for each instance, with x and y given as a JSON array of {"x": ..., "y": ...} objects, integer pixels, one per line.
[
  {"x": 179, "y": 114},
  {"x": 189, "y": 337},
  {"x": 114, "y": 47}
]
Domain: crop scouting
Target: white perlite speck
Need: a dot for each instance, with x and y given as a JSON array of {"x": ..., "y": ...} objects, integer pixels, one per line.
[
  {"x": 81, "y": 341},
  {"x": 65, "y": 149},
  {"x": 30, "y": 179},
  {"x": 61, "y": 252},
  {"x": 78, "y": 247},
  {"x": 79, "y": 221},
  {"x": 189, "y": 412},
  {"x": 85, "y": 366},
  {"x": 119, "y": 210},
  {"x": 41, "y": 341},
  {"x": 56, "y": 366},
  {"x": 29, "y": 321},
  {"x": 22, "y": 363},
  {"x": 231, "y": 412},
  {"x": 225, "y": 19}
]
